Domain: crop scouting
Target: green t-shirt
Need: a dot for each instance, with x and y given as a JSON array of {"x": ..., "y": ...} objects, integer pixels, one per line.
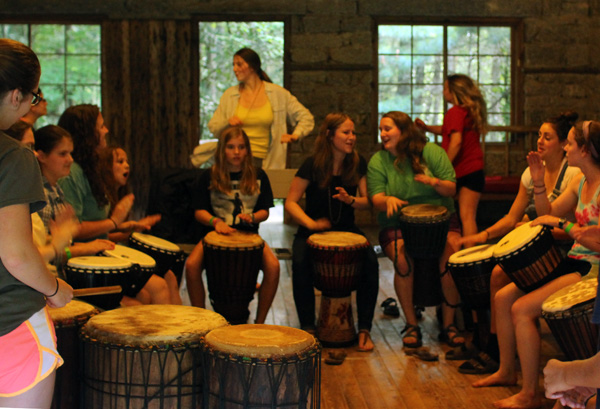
[
  {"x": 384, "y": 177},
  {"x": 20, "y": 183}
]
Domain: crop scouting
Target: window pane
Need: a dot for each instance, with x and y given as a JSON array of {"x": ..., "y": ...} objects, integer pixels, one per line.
[
  {"x": 428, "y": 69},
  {"x": 428, "y": 39},
  {"x": 494, "y": 70},
  {"x": 394, "y": 69},
  {"x": 497, "y": 98},
  {"x": 54, "y": 94},
  {"x": 427, "y": 98},
  {"x": 83, "y": 39},
  {"x": 83, "y": 70},
  {"x": 394, "y": 98},
  {"x": 463, "y": 65},
  {"x": 53, "y": 68},
  {"x": 499, "y": 119},
  {"x": 494, "y": 40},
  {"x": 17, "y": 32},
  {"x": 462, "y": 40},
  {"x": 83, "y": 94},
  {"x": 394, "y": 39},
  {"x": 48, "y": 38}
]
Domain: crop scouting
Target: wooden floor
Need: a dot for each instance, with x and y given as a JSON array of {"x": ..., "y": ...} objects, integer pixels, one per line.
[{"x": 387, "y": 377}]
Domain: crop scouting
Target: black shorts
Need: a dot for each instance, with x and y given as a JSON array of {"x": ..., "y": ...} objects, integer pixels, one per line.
[{"x": 474, "y": 181}]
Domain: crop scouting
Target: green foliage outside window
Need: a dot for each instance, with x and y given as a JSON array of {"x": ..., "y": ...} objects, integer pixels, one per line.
[
  {"x": 218, "y": 43},
  {"x": 413, "y": 66},
  {"x": 70, "y": 60}
]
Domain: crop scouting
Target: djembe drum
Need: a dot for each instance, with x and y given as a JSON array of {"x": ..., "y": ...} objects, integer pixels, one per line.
[
  {"x": 145, "y": 356},
  {"x": 337, "y": 259},
  {"x": 568, "y": 313},
  {"x": 95, "y": 271},
  {"x": 261, "y": 366},
  {"x": 143, "y": 268},
  {"x": 529, "y": 256},
  {"x": 68, "y": 320},
  {"x": 471, "y": 270},
  {"x": 232, "y": 262},
  {"x": 167, "y": 255},
  {"x": 424, "y": 231}
]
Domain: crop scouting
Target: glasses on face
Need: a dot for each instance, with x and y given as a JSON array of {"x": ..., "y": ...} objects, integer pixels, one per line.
[{"x": 37, "y": 97}]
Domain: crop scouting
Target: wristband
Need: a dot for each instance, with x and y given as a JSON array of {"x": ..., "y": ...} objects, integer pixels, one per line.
[
  {"x": 68, "y": 253},
  {"x": 114, "y": 222},
  {"x": 569, "y": 227},
  {"x": 56, "y": 291},
  {"x": 253, "y": 218},
  {"x": 352, "y": 202},
  {"x": 213, "y": 220}
]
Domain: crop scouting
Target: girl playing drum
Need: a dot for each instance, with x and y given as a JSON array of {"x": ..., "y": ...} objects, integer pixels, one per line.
[
  {"x": 331, "y": 179},
  {"x": 409, "y": 170},
  {"x": 231, "y": 195}
]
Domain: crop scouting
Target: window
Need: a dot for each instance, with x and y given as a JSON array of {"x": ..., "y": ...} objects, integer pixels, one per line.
[
  {"x": 414, "y": 60},
  {"x": 70, "y": 59},
  {"x": 219, "y": 40}
]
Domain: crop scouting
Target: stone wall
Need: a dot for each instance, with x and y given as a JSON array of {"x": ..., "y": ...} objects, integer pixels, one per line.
[{"x": 331, "y": 59}]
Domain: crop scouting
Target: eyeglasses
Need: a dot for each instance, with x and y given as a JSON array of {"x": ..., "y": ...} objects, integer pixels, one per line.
[{"x": 37, "y": 97}]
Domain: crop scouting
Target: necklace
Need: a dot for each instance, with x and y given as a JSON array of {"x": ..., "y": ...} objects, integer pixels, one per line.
[{"x": 339, "y": 216}]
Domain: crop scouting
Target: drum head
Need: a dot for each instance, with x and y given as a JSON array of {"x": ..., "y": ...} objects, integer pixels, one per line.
[
  {"x": 72, "y": 311},
  {"x": 153, "y": 325},
  {"x": 517, "y": 239},
  {"x": 131, "y": 255},
  {"x": 237, "y": 239},
  {"x": 98, "y": 263},
  {"x": 423, "y": 211},
  {"x": 472, "y": 254},
  {"x": 156, "y": 242},
  {"x": 337, "y": 239},
  {"x": 572, "y": 295},
  {"x": 259, "y": 340}
]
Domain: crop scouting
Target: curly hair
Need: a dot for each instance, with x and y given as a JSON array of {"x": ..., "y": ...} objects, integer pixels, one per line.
[
  {"x": 466, "y": 94},
  {"x": 80, "y": 121},
  {"x": 411, "y": 143},
  {"x": 219, "y": 179},
  {"x": 106, "y": 160},
  {"x": 323, "y": 153}
]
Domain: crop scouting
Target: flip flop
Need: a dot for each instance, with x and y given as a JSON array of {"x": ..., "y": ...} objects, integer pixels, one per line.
[
  {"x": 390, "y": 307},
  {"x": 335, "y": 358},
  {"x": 481, "y": 364}
]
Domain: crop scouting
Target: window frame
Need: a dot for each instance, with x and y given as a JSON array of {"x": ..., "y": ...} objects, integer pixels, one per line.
[{"x": 516, "y": 86}]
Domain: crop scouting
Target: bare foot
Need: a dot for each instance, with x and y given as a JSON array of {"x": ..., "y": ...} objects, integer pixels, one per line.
[
  {"x": 365, "y": 343},
  {"x": 496, "y": 379},
  {"x": 520, "y": 401}
]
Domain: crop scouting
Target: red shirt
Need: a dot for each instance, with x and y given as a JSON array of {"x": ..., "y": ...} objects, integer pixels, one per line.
[{"x": 470, "y": 156}]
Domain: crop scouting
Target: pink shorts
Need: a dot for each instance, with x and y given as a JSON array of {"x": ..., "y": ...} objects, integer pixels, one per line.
[{"x": 28, "y": 354}]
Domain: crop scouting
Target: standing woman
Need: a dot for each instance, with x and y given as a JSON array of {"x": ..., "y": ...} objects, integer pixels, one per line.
[
  {"x": 463, "y": 125},
  {"x": 27, "y": 340},
  {"x": 84, "y": 188},
  {"x": 331, "y": 180},
  {"x": 409, "y": 170},
  {"x": 263, "y": 110}
]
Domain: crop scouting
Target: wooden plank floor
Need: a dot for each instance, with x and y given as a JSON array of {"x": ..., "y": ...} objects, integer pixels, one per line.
[{"x": 387, "y": 377}]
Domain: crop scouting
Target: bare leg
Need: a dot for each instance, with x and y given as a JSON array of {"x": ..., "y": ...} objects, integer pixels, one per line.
[
  {"x": 468, "y": 200},
  {"x": 506, "y": 374},
  {"x": 40, "y": 396},
  {"x": 173, "y": 288},
  {"x": 498, "y": 280},
  {"x": 448, "y": 287},
  {"x": 157, "y": 289},
  {"x": 130, "y": 302},
  {"x": 268, "y": 288},
  {"x": 193, "y": 275},
  {"x": 525, "y": 313}
]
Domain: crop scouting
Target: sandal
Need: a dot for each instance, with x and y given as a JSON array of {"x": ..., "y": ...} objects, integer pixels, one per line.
[
  {"x": 462, "y": 353},
  {"x": 390, "y": 307},
  {"x": 368, "y": 335},
  {"x": 481, "y": 364},
  {"x": 412, "y": 331},
  {"x": 449, "y": 334}
]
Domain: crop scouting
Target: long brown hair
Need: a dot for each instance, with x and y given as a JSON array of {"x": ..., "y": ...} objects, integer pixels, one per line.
[
  {"x": 411, "y": 143},
  {"x": 587, "y": 135},
  {"x": 114, "y": 192},
  {"x": 219, "y": 179},
  {"x": 467, "y": 95},
  {"x": 323, "y": 153}
]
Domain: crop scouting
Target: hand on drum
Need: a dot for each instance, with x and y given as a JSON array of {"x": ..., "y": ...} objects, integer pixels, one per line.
[
  {"x": 223, "y": 228},
  {"x": 246, "y": 218},
  {"x": 547, "y": 220},
  {"x": 536, "y": 167},
  {"x": 342, "y": 195},
  {"x": 473, "y": 239},
  {"x": 94, "y": 247},
  {"x": 393, "y": 205},
  {"x": 321, "y": 224},
  {"x": 119, "y": 214},
  {"x": 62, "y": 297}
]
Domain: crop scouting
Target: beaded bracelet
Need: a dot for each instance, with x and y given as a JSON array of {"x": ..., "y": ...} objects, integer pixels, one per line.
[{"x": 56, "y": 291}]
